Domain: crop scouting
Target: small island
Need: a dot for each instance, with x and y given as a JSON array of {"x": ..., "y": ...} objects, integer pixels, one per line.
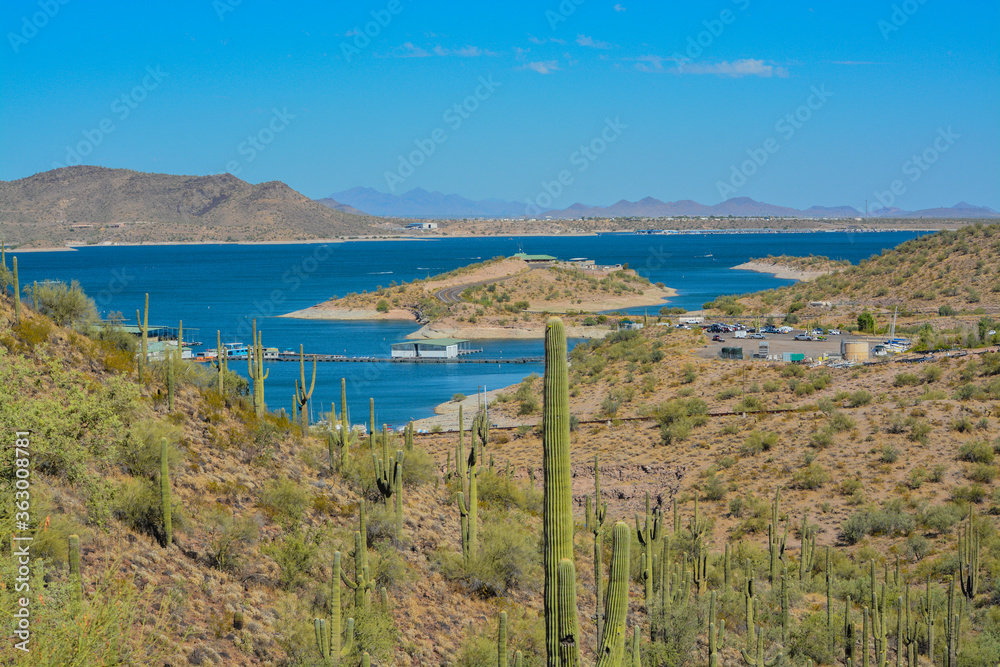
[
  {"x": 787, "y": 267},
  {"x": 504, "y": 297}
]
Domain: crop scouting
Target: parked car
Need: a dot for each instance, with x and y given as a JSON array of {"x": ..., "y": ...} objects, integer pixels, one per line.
[
  {"x": 758, "y": 335},
  {"x": 803, "y": 336},
  {"x": 718, "y": 339},
  {"x": 834, "y": 332}
]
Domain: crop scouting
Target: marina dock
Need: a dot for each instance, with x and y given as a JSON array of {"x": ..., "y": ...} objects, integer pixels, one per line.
[{"x": 339, "y": 358}]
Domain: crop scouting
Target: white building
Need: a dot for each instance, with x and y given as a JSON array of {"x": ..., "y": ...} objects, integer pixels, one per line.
[
  {"x": 431, "y": 348},
  {"x": 423, "y": 226}
]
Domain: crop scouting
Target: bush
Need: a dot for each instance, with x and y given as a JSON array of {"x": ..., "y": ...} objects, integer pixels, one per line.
[
  {"x": 859, "y": 398},
  {"x": 284, "y": 501},
  {"x": 812, "y": 476},
  {"x": 890, "y": 454},
  {"x": 714, "y": 488},
  {"x": 295, "y": 553},
  {"x": 678, "y": 416},
  {"x": 65, "y": 304},
  {"x": 137, "y": 504},
  {"x": 821, "y": 439},
  {"x": 976, "y": 452},
  {"x": 759, "y": 441},
  {"x": 229, "y": 536},
  {"x": 507, "y": 560},
  {"x": 889, "y": 520},
  {"x": 941, "y": 518},
  {"x": 982, "y": 473},
  {"x": 140, "y": 453}
]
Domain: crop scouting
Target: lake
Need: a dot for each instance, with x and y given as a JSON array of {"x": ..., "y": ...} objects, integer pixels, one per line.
[{"x": 223, "y": 287}]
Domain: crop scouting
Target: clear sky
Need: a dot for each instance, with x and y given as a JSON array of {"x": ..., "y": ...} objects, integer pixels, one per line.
[{"x": 792, "y": 103}]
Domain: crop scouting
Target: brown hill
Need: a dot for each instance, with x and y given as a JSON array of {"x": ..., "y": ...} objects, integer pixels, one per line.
[{"x": 95, "y": 205}]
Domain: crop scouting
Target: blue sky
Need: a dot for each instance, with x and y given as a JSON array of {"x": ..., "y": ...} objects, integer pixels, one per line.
[{"x": 785, "y": 102}]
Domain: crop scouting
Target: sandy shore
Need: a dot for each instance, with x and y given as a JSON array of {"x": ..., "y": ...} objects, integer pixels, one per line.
[
  {"x": 320, "y": 313},
  {"x": 446, "y": 414},
  {"x": 523, "y": 330},
  {"x": 781, "y": 271}
]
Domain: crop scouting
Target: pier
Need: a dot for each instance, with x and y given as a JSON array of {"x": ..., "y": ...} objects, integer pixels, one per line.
[{"x": 335, "y": 358}]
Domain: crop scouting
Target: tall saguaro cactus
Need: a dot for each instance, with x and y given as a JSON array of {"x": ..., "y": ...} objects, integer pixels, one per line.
[
  {"x": 648, "y": 534},
  {"x": 612, "y": 646},
  {"x": 968, "y": 559},
  {"x": 341, "y": 441},
  {"x": 468, "y": 511},
  {"x": 595, "y": 523},
  {"x": 557, "y": 514},
  {"x": 301, "y": 395},
  {"x": 255, "y": 368},
  {"x": 168, "y": 527},
  {"x": 331, "y": 645},
  {"x": 144, "y": 334},
  {"x": 502, "y": 641},
  {"x": 17, "y": 293},
  {"x": 221, "y": 363},
  {"x": 74, "y": 571}
]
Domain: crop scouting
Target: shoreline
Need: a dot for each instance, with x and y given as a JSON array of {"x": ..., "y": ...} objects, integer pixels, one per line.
[
  {"x": 437, "y": 237},
  {"x": 781, "y": 271}
]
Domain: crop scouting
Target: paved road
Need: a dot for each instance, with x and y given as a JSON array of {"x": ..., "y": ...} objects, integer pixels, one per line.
[{"x": 454, "y": 294}]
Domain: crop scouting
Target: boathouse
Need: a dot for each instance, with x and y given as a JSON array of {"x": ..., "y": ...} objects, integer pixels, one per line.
[{"x": 431, "y": 348}]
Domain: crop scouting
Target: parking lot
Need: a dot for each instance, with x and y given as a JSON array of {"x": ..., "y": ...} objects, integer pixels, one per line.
[{"x": 778, "y": 344}]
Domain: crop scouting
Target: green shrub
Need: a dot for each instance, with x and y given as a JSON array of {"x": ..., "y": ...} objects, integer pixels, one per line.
[
  {"x": 976, "y": 452},
  {"x": 859, "y": 398},
  {"x": 284, "y": 501},
  {"x": 889, "y": 520},
  {"x": 812, "y": 476},
  {"x": 982, "y": 473},
  {"x": 714, "y": 488},
  {"x": 419, "y": 468},
  {"x": 295, "y": 553},
  {"x": 821, "y": 439},
  {"x": 759, "y": 441},
  {"x": 941, "y": 518},
  {"x": 65, "y": 304},
  {"x": 229, "y": 537},
  {"x": 140, "y": 453},
  {"x": 507, "y": 560},
  {"x": 890, "y": 454}
]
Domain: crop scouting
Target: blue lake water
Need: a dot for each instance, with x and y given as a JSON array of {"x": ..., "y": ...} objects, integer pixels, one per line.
[{"x": 223, "y": 287}]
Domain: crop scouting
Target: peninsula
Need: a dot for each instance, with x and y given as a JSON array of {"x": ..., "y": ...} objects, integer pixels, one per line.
[{"x": 505, "y": 297}]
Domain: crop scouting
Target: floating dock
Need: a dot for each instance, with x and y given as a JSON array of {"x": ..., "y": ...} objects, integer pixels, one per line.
[{"x": 339, "y": 358}]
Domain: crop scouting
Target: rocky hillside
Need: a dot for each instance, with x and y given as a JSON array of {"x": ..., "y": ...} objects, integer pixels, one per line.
[
  {"x": 96, "y": 205},
  {"x": 881, "y": 464}
]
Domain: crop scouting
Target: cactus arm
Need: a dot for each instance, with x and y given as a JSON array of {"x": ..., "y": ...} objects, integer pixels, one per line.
[{"x": 612, "y": 646}]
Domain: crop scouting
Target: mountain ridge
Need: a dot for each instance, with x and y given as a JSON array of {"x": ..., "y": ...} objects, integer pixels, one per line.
[{"x": 419, "y": 203}]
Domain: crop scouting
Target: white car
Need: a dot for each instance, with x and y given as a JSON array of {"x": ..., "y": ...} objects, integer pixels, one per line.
[
  {"x": 834, "y": 332},
  {"x": 803, "y": 336}
]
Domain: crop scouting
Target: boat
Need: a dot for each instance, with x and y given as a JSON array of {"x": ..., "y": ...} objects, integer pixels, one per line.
[{"x": 235, "y": 350}]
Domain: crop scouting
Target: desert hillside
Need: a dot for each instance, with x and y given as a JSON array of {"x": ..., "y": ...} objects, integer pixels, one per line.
[
  {"x": 84, "y": 205},
  {"x": 882, "y": 472}
]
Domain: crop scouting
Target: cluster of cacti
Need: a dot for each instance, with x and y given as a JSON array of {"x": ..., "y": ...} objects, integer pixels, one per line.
[
  {"x": 301, "y": 395},
  {"x": 673, "y": 590},
  {"x": 879, "y": 623},
  {"x": 255, "y": 368},
  {"x": 332, "y": 646},
  {"x": 144, "y": 337},
  {"x": 389, "y": 479},
  {"x": 952, "y": 626},
  {"x": 166, "y": 508},
  {"x": 340, "y": 440}
]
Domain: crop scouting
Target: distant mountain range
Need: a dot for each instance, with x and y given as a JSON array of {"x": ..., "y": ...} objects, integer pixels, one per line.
[{"x": 419, "y": 203}]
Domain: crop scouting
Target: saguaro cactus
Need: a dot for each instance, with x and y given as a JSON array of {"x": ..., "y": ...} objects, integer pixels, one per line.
[
  {"x": 389, "y": 479},
  {"x": 340, "y": 441},
  {"x": 648, "y": 533},
  {"x": 170, "y": 384},
  {"x": 807, "y": 552},
  {"x": 301, "y": 395},
  {"x": 468, "y": 511},
  {"x": 502, "y": 641},
  {"x": 332, "y": 646},
  {"x": 776, "y": 544},
  {"x": 756, "y": 659},
  {"x": 612, "y": 646},
  {"x": 255, "y": 368},
  {"x": 74, "y": 570},
  {"x": 17, "y": 293},
  {"x": 144, "y": 337},
  {"x": 715, "y": 636},
  {"x": 557, "y": 515},
  {"x": 168, "y": 528},
  {"x": 595, "y": 523},
  {"x": 361, "y": 585},
  {"x": 569, "y": 645},
  {"x": 968, "y": 559},
  {"x": 221, "y": 363}
]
